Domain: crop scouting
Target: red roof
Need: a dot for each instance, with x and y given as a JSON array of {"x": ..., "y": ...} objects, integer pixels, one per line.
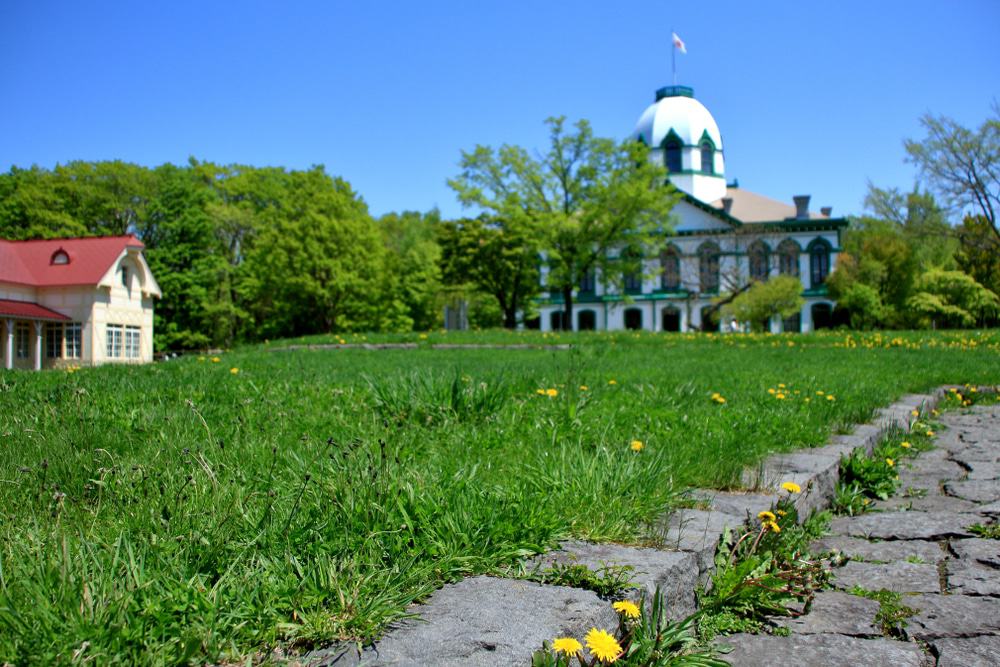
[
  {"x": 29, "y": 310},
  {"x": 34, "y": 262}
]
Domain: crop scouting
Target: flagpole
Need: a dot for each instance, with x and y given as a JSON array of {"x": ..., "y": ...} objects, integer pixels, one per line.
[{"x": 673, "y": 55}]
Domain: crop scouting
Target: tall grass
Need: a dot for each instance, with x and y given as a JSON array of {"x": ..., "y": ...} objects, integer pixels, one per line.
[{"x": 182, "y": 513}]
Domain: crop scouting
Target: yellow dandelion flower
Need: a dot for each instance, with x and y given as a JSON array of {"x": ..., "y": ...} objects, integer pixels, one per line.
[
  {"x": 819, "y": 392},
  {"x": 612, "y": 382},
  {"x": 780, "y": 397},
  {"x": 771, "y": 391},
  {"x": 890, "y": 462},
  {"x": 234, "y": 371},
  {"x": 772, "y": 526},
  {"x": 808, "y": 400},
  {"x": 781, "y": 512},
  {"x": 905, "y": 445},
  {"x": 915, "y": 413},
  {"x": 567, "y": 645},
  {"x": 551, "y": 393},
  {"x": 791, "y": 487},
  {"x": 930, "y": 434},
  {"x": 781, "y": 385},
  {"x": 953, "y": 390},
  {"x": 626, "y": 608},
  {"x": 830, "y": 397},
  {"x": 540, "y": 392},
  {"x": 201, "y": 358},
  {"x": 637, "y": 445},
  {"x": 602, "y": 645},
  {"x": 216, "y": 360},
  {"x": 972, "y": 390},
  {"x": 584, "y": 387},
  {"x": 720, "y": 400},
  {"x": 766, "y": 516}
]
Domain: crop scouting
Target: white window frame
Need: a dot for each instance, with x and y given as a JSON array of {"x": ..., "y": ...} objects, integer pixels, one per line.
[
  {"x": 73, "y": 336},
  {"x": 133, "y": 346},
  {"x": 113, "y": 341}
]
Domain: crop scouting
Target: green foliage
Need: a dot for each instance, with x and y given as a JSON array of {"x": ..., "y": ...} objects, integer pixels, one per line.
[
  {"x": 989, "y": 532},
  {"x": 979, "y": 253},
  {"x": 892, "y": 613},
  {"x": 952, "y": 299},
  {"x": 587, "y": 202},
  {"x": 411, "y": 272},
  {"x": 780, "y": 296},
  {"x": 432, "y": 399},
  {"x": 607, "y": 581}
]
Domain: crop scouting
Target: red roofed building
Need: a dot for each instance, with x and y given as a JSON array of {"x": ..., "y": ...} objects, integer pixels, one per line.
[{"x": 68, "y": 302}]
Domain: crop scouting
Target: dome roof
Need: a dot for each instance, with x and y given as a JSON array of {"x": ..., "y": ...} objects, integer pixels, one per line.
[{"x": 676, "y": 109}]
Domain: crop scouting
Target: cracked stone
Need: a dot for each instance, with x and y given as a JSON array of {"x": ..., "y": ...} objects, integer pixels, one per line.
[
  {"x": 971, "y": 652},
  {"x": 905, "y": 525},
  {"x": 933, "y": 468},
  {"x": 928, "y": 503},
  {"x": 952, "y": 616},
  {"x": 971, "y": 578},
  {"x": 482, "y": 621},
  {"x": 983, "y": 470},
  {"x": 887, "y": 552},
  {"x": 984, "y": 552},
  {"x": 699, "y": 532},
  {"x": 823, "y": 649},
  {"x": 833, "y": 612},
  {"x": 902, "y": 577},
  {"x": 978, "y": 453},
  {"x": 736, "y": 504},
  {"x": 976, "y": 490},
  {"x": 674, "y": 572}
]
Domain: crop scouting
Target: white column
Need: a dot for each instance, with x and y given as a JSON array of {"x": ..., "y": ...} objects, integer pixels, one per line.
[
  {"x": 9, "y": 345},
  {"x": 38, "y": 345}
]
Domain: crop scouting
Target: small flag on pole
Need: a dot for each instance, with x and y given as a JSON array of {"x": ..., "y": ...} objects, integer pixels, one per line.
[{"x": 679, "y": 44}]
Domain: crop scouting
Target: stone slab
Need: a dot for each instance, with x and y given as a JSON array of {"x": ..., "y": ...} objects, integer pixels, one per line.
[
  {"x": 905, "y": 525},
  {"x": 928, "y": 503},
  {"x": 979, "y": 452},
  {"x": 929, "y": 484},
  {"x": 972, "y": 652},
  {"x": 483, "y": 621},
  {"x": 984, "y": 470},
  {"x": 991, "y": 509},
  {"x": 933, "y": 468},
  {"x": 735, "y": 503},
  {"x": 984, "y": 552},
  {"x": 699, "y": 532},
  {"x": 886, "y": 552},
  {"x": 976, "y": 490},
  {"x": 837, "y": 613},
  {"x": 674, "y": 572},
  {"x": 819, "y": 650},
  {"x": 952, "y": 616},
  {"x": 972, "y": 578},
  {"x": 900, "y": 576}
]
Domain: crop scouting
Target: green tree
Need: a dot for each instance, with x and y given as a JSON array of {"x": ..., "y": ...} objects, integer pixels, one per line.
[
  {"x": 591, "y": 203},
  {"x": 496, "y": 260},
  {"x": 963, "y": 165},
  {"x": 412, "y": 270},
  {"x": 952, "y": 299},
  {"x": 781, "y": 296},
  {"x": 977, "y": 256}
]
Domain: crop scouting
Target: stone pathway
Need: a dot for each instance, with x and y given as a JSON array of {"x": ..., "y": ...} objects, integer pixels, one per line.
[{"x": 916, "y": 544}]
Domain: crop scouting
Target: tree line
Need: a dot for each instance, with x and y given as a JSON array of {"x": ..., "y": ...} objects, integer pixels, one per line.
[{"x": 247, "y": 253}]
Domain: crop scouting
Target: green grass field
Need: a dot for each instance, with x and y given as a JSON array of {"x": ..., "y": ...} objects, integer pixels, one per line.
[{"x": 201, "y": 510}]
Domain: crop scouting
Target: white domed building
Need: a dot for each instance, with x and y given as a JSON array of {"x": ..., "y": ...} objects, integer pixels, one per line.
[{"x": 723, "y": 238}]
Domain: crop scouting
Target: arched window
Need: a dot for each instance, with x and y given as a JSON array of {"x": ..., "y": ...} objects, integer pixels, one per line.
[
  {"x": 632, "y": 277},
  {"x": 759, "y": 255},
  {"x": 586, "y": 320},
  {"x": 672, "y": 154},
  {"x": 708, "y": 267},
  {"x": 819, "y": 261},
  {"x": 633, "y": 319},
  {"x": 60, "y": 257},
  {"x": 670, "y": 263},
  {"x": 671, "y": 319},
  {"x": 707, "y": 157},
  {"x": 822, "y": 316},
  {"x": 788, "y": 258},
  {"x": 556, "y": 320}
]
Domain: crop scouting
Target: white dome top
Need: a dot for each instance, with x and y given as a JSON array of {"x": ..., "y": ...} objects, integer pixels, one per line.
[{"x": 676, "y": 109}]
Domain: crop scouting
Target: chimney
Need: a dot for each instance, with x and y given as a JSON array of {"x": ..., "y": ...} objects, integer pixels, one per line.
[
  {"x": 827, "y": 211},
  {"x": 727, "y": 204},
  {"x": 801, "y": 206}
]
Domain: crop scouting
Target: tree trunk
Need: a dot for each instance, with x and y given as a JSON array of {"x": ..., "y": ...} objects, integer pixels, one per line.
[{"x": 567, "y": 309}]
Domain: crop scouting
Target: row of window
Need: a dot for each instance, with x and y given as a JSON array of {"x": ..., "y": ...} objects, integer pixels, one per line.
[
  {"x": 708, "y": 266},
  {"x": 122, "y": 342},
  {"x": 62, "y": 341},
  {"x": 673, "y": 152},
  {"x": 586, "y": 320}
]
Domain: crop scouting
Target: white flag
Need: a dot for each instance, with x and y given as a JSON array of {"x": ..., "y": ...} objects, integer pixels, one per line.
[{"x": 679, "y": 44}]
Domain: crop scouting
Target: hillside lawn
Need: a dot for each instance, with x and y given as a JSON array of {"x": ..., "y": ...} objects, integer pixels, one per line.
[{"x": 203, "y": 511}]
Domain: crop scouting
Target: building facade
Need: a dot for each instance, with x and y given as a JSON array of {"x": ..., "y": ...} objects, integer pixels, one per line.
[
  {"x": 722, "y": 238},
  {"x": 75, "y": 302}
]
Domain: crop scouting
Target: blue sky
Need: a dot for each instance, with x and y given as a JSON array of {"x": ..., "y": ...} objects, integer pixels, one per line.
[{"x": 811, "y": 98}]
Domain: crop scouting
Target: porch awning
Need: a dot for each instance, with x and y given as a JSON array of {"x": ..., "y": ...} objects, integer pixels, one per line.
[{"x": 28, "y": 310}]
